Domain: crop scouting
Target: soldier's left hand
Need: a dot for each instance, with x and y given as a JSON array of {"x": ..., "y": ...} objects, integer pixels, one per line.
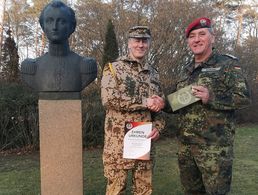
[
  {"x": 154, "y": 134},
  {"x": 201, "y": 92}
]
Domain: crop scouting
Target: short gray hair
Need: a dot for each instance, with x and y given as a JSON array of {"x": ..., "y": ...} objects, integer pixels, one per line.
[{"x": 211, "y": 30}]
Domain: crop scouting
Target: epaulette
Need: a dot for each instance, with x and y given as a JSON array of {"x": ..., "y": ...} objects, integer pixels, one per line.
[
  {"x": 231, "y": 56},
  {"x": 89, "y": 65},
  {"x": 187, "y": 66},
  {"x": 88, "y": 70},
  {"x": 29, "y": 66}
]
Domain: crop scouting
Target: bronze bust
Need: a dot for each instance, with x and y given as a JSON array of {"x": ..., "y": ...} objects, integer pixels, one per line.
[{"x": 60, "y": 73}]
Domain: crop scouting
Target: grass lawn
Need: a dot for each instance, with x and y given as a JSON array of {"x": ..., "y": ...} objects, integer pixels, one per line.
[{"x": 19, "y": 174}]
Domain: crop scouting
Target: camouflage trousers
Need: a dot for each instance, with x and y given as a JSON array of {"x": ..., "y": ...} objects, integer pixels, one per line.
[
  {"x": 205, "y": 169},
  {"x": 117, "y": 181}
]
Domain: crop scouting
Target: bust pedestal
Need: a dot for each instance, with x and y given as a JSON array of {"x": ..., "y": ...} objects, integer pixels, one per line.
[
  {"x": 61, "y": 167},
  {"x": 59, "y": 76}
]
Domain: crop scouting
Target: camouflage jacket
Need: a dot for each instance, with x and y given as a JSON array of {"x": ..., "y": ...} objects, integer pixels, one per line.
[
  {"x": 124, "y": 91},
  {"x": 213, "y": 123}
]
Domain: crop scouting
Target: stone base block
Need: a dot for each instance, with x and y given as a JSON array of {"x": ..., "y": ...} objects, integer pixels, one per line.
[{"x": 61, "y": 167}]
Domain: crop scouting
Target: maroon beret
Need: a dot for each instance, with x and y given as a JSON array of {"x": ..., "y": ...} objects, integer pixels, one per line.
[{"x": 198, "y": 23}]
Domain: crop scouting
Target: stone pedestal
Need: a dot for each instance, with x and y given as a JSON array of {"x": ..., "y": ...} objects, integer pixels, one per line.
[{"x": 61, "y": 167}]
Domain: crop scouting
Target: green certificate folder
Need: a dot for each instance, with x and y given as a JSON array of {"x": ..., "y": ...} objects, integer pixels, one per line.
[{"x": 181, "y": 98}]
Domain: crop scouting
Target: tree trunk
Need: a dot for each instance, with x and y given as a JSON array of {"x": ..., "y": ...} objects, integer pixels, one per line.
[
  {"x": 240, "y": 25},
  {"x": 2, "y": 10}
]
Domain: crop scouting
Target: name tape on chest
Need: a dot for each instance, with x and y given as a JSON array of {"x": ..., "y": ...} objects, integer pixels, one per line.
[{"x": 211, "y": 69}]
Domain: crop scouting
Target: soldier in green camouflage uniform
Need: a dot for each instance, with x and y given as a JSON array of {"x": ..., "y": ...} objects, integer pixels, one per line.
[
  {"x": 207, "y": 127},
  {"x": 127, "y": 86}
]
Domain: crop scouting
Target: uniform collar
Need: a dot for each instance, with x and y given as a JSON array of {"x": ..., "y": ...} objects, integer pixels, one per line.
[
  {"x": 212, "y": 59},
  {"x": 143, "y": 65},
  {"x": 209, "y": 62}
]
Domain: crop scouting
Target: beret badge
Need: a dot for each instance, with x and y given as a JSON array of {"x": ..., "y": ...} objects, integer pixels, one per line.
[{"x": 203, "y": 22}]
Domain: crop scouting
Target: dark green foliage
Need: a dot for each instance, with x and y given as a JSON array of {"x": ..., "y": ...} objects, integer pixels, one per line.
[
  {"x": 18, "y": 117},
  {"x": 93, "y": 117},
  {"x": 10, "y": 59},
  {"x": 248, "y": 61},
  {"x": 110, "y": 46}
]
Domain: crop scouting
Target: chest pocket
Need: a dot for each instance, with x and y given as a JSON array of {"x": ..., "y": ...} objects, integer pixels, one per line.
[
  {"x": 211, "y": 77},
  {"x": 131, "y": 86},
  {"x": 127, "y": 81}
]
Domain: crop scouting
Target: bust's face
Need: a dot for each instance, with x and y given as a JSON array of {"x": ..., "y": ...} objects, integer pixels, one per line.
[{"x": 57, "y": 25}]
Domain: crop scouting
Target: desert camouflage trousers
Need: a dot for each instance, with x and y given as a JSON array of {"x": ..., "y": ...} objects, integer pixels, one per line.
[
  {"x": 117, "y": 181},
  {"x": 205, "y": 169}
]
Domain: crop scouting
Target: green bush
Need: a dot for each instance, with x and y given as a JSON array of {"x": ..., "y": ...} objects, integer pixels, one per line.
[
  {"x": 93, "y": 117},
  {"x": 18, "y": 117}
]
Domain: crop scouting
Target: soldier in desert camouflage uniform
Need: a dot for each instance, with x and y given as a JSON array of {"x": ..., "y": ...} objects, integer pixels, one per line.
[
  {"x": 127, "y": 86},
  {"x": 207, "y": 127}
]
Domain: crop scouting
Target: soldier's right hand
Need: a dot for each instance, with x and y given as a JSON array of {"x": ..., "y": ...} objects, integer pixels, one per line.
[{"x": 155, "y": 103}]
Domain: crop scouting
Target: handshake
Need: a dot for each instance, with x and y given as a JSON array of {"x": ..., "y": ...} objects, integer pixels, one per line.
[{"x": 155, "y": 103}]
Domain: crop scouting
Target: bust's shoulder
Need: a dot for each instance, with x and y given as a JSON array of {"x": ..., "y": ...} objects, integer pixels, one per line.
[
  {"x": 29, "y": 61},
  {"x": 88, "y": 64},
  {"x": 29, "y": 66},
  {"x": 88, "y": 61}
]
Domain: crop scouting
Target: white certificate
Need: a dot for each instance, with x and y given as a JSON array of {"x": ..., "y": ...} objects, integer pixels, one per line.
[{"x": 136, "y": 143}]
